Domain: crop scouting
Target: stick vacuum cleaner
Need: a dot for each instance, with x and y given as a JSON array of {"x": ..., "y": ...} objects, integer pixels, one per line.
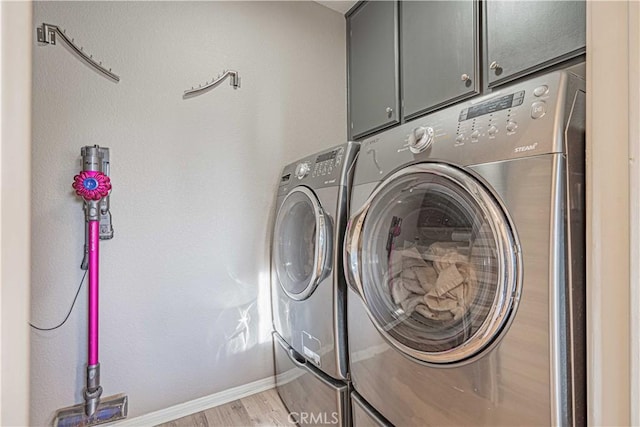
[{"x": 93, "y": 185}]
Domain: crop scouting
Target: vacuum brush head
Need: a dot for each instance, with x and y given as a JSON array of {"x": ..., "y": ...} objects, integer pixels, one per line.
[{"x": 110, "y": 409}]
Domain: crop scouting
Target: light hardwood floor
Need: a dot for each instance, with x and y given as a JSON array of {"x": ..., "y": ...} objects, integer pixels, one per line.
[{"x": 262, "y": 409}]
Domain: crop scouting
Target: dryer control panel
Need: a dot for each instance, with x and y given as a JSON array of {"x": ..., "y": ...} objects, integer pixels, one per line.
[
  {"x": 327, "y": 163},
  {"x": 324, "y": 169}
]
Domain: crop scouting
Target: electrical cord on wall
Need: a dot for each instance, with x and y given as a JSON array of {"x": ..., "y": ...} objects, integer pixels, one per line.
[{"x": 70, "y": 309}]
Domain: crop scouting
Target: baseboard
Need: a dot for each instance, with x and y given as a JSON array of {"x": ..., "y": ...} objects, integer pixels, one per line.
[{"x": 197, "y": 405}]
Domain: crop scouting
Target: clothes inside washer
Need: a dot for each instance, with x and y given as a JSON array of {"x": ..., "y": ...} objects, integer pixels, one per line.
[{"x": 437, "y": 282}]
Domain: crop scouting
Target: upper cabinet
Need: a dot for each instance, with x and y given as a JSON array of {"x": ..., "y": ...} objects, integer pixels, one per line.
[
  {"x": 439, "y": 51},
  {"x": 407, "y": 58},
  {"x": 523, "y": 36},
  {"x": 373, "y": 67}
]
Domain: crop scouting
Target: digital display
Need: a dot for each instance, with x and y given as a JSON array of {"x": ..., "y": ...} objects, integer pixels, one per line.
[
  {"x": 502, "y": 103},
  {"x": 286, "y": 178},
  {"x": 327, "y": 156}
]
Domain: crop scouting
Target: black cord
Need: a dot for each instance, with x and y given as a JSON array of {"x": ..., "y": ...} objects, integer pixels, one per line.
[{"x": 70, "y": 309}]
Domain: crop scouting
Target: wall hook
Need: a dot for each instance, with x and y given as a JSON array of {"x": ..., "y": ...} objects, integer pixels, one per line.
[
  {"x": 234, "y": 80},
  {"x": 47, "y": 34}
]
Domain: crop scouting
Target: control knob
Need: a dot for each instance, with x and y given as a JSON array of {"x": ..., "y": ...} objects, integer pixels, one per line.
[
  {"x": 302, "y": 170},
  {"x": 420, "y": 139}
]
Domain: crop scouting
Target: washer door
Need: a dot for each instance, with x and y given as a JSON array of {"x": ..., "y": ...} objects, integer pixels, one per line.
[
  {"x": 301, "y": 244},
  {"x": 436, "y": 262}
]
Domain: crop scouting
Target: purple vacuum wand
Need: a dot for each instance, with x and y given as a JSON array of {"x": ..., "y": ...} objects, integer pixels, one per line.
[{"x": 93, "y": 185}]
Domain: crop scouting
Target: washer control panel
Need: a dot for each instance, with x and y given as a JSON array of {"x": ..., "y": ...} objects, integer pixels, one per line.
[
  {"x": 491, "y": 106},
  {"x": 515, "y": 121},
  {"x": 487, "y": 120}
]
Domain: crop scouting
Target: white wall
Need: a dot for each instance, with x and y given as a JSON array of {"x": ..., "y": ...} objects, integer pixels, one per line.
[
  {"x": 184, "y": 283},
  {"x": 15, "y": 125}
]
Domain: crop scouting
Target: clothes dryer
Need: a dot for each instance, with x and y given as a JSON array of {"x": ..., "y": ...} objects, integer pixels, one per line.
[
  {"x": 465, "y": 258},
  {"x": 308, "y": 286}
]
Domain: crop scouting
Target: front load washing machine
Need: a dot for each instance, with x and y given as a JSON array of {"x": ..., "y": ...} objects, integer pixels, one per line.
[
  {"x": 465, "y": 259},
  {"x": 308, "y": 286}
]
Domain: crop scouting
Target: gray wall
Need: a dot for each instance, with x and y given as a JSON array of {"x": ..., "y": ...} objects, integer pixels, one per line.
[{"x": 185, "y": 308}]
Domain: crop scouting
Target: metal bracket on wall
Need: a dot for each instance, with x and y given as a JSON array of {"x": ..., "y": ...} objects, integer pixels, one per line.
[
  {"x": 47, "y": 34},
  {"x": 235, "y": 82}
]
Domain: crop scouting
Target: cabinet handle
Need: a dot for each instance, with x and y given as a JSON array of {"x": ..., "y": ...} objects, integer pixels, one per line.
[
  {"x": 465, "y": 77},
  {"x": 494, "y": 66},
  {"x": 389, "y": 111}
]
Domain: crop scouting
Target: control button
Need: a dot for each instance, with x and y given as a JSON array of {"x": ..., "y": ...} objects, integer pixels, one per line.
[
  {"x": 460, "y": 138},
  {"x": 541, "y": 90},
  {"x": 538, "y": 109},
  {"x": 330, "y": 169},
  {"x": 420, "y": 139},
  {"x": 492, "y": 130},
  {"x": 517, "y": 101},
  {"x": 90, "y": 183},
  {"x": 302, "y": 170},
  {"x": 511, "y": 126},
  {"x": 475, "y": 134}
]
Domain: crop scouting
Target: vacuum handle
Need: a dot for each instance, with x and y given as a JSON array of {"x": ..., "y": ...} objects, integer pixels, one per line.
[{"x": 94, "y": 255}]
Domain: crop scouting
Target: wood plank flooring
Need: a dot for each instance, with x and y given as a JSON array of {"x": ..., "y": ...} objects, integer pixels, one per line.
[{"x": 262, "y": 409}]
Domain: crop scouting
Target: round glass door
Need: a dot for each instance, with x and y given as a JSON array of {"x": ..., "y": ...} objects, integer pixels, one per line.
[
  {"x": 438, "y": 263},
  {"x": 301, "y": 243}
]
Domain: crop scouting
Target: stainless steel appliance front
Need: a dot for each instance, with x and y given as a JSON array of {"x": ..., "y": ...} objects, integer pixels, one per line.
[
  {"x": 363, "y": 415},
  {"x": 311, "y": 397},
  {"x": 465, "y": 262},
  {"x": 308, "y": 287}
]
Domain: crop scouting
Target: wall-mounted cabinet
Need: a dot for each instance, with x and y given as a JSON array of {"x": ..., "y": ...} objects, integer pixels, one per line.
[
  {"x": 524, "y": 36},
  {"x": 408, "y": 58},
  {"x": 373, "y": 67},
  {"x": 439, "y": 53}
]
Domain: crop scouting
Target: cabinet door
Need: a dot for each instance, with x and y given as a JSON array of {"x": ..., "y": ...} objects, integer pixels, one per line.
[
  {"x": 439, "y": 52},
  {"x": 373, "y": 66},
  {"x": 523, "y": 36}
]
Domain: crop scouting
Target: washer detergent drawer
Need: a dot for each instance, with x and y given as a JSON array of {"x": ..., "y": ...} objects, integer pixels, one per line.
[
  {"x": 312, "y": 398},
  {"x": 364, "y": 415}
]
